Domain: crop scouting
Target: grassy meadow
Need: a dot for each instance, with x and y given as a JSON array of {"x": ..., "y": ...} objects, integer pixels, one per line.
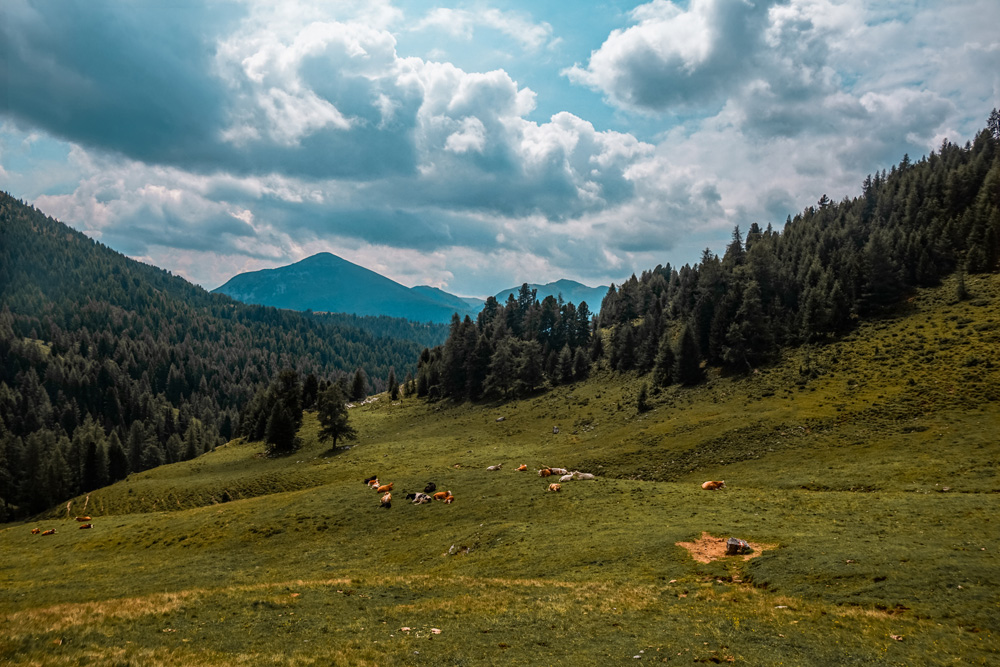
[{"x": 869, "y": 466}]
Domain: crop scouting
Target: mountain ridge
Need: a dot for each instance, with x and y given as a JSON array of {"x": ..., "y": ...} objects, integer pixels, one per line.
[{"x": 325, "y": 282}]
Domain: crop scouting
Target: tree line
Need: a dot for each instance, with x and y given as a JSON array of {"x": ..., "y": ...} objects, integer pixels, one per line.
[
  {"x": 109, "y": 366},
  {"x": 510, "y": 350},
  {"x": 830, "y": 265}
]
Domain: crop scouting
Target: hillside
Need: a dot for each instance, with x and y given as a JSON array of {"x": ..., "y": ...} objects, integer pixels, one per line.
[
  {"x": 327, "y": 283},
  {"x": 109, "y": 366},
  {"x": 865, "y": 469}
]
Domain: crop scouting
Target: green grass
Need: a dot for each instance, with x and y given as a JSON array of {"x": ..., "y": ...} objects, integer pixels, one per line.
[{"x": 871, "y": 462}]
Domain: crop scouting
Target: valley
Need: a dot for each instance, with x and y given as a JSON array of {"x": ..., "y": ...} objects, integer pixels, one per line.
[{"x": 870, "y": 462}]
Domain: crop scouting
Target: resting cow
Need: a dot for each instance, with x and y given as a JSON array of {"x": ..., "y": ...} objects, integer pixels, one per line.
[
  {"x": 714, "y": 486},
  {"x": 559, "y": 471},
  {"x": 387, "y": 500},
  {"x": 582, "y": 475},
  {"x": 555, "y": 487},
  {"x": 522, "y": 468},
  {"x": 384, "y": 488},
  {"x": 50, "y": 531},
  {"x": 86, "y": 525},
  {"x": 83, "y": 518},
  {"x": 544, "y": 472},
  {"x": 35, "y": 531},
  {"x": 431, "y": 487}
]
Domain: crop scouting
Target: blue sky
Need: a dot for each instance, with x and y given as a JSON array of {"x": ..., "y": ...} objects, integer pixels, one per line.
[{"x": 471, "y": 146}]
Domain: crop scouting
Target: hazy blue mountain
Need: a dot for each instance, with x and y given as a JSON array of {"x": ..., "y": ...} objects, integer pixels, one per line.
[
  {"x": 461, "y": 304},
  {"x": 571, "y": 291},
  {"x": 327, "y": 283}
]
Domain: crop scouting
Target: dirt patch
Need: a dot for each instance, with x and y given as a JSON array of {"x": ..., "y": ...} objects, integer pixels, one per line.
[{"x": 708, "y": 548}]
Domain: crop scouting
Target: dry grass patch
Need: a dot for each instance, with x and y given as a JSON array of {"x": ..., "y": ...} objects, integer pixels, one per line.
[
  {"x": 64, "y": 616},
  {"x": 709, "y": 548}
]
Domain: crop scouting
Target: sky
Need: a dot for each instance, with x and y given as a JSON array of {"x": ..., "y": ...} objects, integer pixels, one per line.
[{"x": 471, "y": 146}]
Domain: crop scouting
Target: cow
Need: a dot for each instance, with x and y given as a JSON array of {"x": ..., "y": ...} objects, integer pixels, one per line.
[
  {"x": 86, "y": 525},
  {"x": 386, "y": 501},
  {"x": 522, "y": 468},
  {"x": 495, "y": 468},
  {"x": 431, "y": 487},
  {"x": 582, "y": 475},
  {"x": 83, "y": 518},
  {"x": 374, "y": 483},
  {"x": 35, "y": 531},
  {"x": 441, "y": 495},
  {"x": 419, "y": 498},
  {"x": 450, "y": 499},
  {"x": 50, "y": 531},
  {"x": 714, "y": 486},
  {"x": 369, "y": 480},
  {"x": 544, "y": 472},
  {"x": 384, "y": 488},
  {"x": 559, "y": 471},
  {"x": 555, "y": 487},
  {"x": 566, "y": 478}
]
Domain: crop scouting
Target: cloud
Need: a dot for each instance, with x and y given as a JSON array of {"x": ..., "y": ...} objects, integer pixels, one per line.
[
  {"x": 674, "y": 58},
  {"x": 462, "y": 24}
]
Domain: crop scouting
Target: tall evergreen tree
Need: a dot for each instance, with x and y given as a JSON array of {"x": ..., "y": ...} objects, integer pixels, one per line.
[
  {"x": 359, "y": 388},
  {"x": 331, "y": 410}
]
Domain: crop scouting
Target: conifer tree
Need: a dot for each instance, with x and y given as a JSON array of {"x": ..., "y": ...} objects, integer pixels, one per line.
[
  {"x": 359, "y": 388},
  {"x": 331, "y": 410},
  {"x": 687, "y": 367},
  {"x": 392, "y": 386}
]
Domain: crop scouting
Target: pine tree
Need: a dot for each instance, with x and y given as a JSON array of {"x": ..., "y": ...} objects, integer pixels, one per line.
[
  {"x": 118, "y": 465},
  {"x": 642, "y": 400},
  {"x": 392, "y": 386},
  {"x": 663, "y": 366},
  {"x": 331, "y": 411},
  {"x": 687, "y": 368},
  {"x": 281, "y": 432},
  {"x": 359, "y": 388}
]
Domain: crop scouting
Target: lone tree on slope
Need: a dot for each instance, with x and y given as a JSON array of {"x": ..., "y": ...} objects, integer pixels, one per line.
[{"x": 331, "y": 410}]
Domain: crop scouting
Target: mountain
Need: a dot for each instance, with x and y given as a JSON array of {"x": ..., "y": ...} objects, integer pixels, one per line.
[
  {"x": 110, "y": 366},
  {"x": 570, "y": 291},
  {"x": 461, "y": 304},
  {"x": 327, "y": 283}
]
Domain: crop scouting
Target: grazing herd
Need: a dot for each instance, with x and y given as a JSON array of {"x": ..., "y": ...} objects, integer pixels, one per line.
[
  {"x": 430, "y": 492},
  {"x": 52, "y": 531}
]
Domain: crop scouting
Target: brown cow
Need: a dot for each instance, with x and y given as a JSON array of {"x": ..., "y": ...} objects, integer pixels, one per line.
[
  {"x": 544, "y": 472},
  {"x": 442, "y": 495},
  {"x": 387, "y": 500},
  {"x": 555, "y": 487},
  {"x": 86, "y": 525},
  {"x": 50, "y": 531},
  {"x": 522, "y": 468},
  {"x": 83, "y": 518},
  {"x": 714, "y": 486},
  {"x": 385, "y": 488},
  {"x": 35, "y": 531}
]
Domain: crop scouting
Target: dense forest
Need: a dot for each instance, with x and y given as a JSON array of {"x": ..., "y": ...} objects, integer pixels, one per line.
[
  {"x": 828, "y": 266},
  {"x": 109, "y": 366}
]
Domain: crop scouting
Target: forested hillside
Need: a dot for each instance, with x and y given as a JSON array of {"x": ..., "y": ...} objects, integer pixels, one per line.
[
  {"x": 832, "y": 264},
  {"x": 109, "y": 366},
  {"x": 829, "y": 266}
]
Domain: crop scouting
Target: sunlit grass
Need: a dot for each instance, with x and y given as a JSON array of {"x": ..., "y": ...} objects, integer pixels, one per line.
[{"x": 868, "y": 466}]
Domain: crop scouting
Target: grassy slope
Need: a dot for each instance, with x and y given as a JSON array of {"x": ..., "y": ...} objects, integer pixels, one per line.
[{"x": 840, "y": 455}]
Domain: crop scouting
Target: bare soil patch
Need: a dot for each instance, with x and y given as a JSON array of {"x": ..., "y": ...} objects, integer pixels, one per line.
[{"x": 709, "y": 548}]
